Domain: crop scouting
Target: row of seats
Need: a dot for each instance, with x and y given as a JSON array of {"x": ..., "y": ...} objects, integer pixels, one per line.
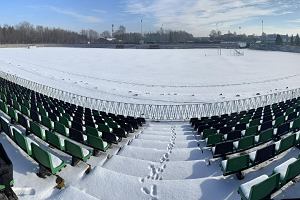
[
  {"x": 258, "y": 138},
  {"x": 264, "y": 186},
  {"x": 237, "y": 164}
]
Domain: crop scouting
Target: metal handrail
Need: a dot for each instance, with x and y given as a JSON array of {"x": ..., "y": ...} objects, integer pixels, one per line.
[{"x": 183, "y": 111}]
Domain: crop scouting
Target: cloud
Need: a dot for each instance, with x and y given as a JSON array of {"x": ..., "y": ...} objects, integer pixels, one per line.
[
  {"x": 295, "y": 21},
  {"x": 200, "y": 16},
  {"x": 99, "y": 11},
  {"x": 76, "y": 15}
]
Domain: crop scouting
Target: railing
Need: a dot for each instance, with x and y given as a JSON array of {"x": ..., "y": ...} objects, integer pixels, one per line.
[{"x": 156, "y": 112}]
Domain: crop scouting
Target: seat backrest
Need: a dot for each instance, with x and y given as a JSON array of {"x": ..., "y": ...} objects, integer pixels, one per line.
[
  {"x": 266, "y": 135},
  {"x": 41, "y": 156},
  {"x": 253, "y": 130},
  {"x": 266, "y": 125},
  {"x": 283, "y": 129},
  {"x": 103, "y": 128},
  {"x": 60, "y": 128},
  {"x": 287, "y": 143},
  {"x": 53, "y": 139},
  {"x": 292, "y": 171},
  {"x": 92, "y": 131},
  {"x": 237, "y": 163},
  {"x": 76, "y": 135},
  {"x": 265, "y": 188},
  {"x": 246, "y": 142},
  {"x": 214, "y": 139},
  {"x": 223, "y": 148},
  {"x": 296, "y": 124},
  {"x": 233, "y": 135},
  {"x": 5, "y": 126},
  {"x": 73, "y": 149},
  {"x": 23, "y": 121},
  {"x": 265, "y": 154}
]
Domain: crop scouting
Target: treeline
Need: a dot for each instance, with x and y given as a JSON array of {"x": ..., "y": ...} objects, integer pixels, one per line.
[{"x": 26, "y": 33}]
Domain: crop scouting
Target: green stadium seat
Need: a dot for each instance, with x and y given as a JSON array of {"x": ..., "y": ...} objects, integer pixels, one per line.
[
  {"x": 23, "y": 141},
  {"x": 255, "y": 122},
  {"x": 55, "y": 141},
  {"x": 264, "y": 136},
  {"x": 235, "y": 165},
  {"x": 37, "y": 130},
  {"x": 12, "y": 114},
  {"x": 47, "y": 122},
  {"x": 65, "y": 122},
  {"x": 278, "y": 121},
  {"x": 97, "y": 143},
  {"x": 288, "y": 170},
  {"x": 61, "y": 129},
  {"x": 47, "y": 160},
  {"x": 3, "y": 107},
  {"x": 213, "y": 139},
  {"x": 104, "y": 128},
  {"x": 259, "y": 188},
  {"x": 5, "y": 126},
  {"x": 93, "y": 131},
  {"x": 285, "y": 143},
  {"x": 25, "y": 110},
  {"x": 208, "y": 132},
  {"x": 244, "y": 143},
  {"x": 296, "y": 124},
  {"x": 77, "y": 151},
  {"x": 253, "y": 130}
]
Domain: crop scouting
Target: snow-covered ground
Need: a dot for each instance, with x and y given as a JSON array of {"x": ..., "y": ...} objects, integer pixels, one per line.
[
  {"x": 156, "y": 76},
  {"x": 165, "y": 171}
]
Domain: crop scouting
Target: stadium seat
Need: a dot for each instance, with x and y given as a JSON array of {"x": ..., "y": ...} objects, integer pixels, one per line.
[
  {"x": 262, "y": 155},
  {"x": 259, "y": 188},
  {"x": 61, "y": 129},
  {"x": 12, "y": 114},
  {"x": 264, "y": 136},
  {"x": 285, "y": 143},
  {"x": 97, "y": 143},
  {"x": 212, "y": 140},
  {"x": 23, "y": 141},
  {"x": 54, "y": 140},
  {"x": 37, "y": 130},
  {"x": 6, "y": 170},
  {"x": 288, "y": 170},
  {"x": 47, "y": 160},
  {"x": 77, "y": 152},
  {"x": 235, "y": 165},
  {"x": 5, "y": 126},
  {"x": 244, "y": 143},
  {"x": 47, "y": 122}
]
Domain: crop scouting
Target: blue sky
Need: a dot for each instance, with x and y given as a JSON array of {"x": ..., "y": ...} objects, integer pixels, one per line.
[{"x": 195, "y": 16}]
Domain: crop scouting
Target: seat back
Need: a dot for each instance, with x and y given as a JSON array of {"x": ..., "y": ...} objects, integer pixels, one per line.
[
  {"x": 265, "y": 154},
  {"x": 293, "y": 170},
  {"x": 92, "y": 131},
  {"x": 37, "y": 130},
  {"x": 103, "y": 128},
  {"x": 266, "y": 136},
  {"x": 253, "y": 130},
  {"x": 47, "y": 122},
  {"x": 265, "y": 188},
  {"x": 96, "y": 143},
  {"x": 76, "y": 135},
  {"x": 6, "y": 170},
  {"x": 246, "y": 142},
  {"x": 296, "y": 124},
  {"x": 237, "y": 164},
  {"x": 213, "y": 139},
  {"x": 233, "y": 135},
  {"x": 223, "y": 148},
  {"x": 3, "y": 107},
  {"x": 53, "y": 140},
  {"x": 23, "y": 121},
  {"x": 266, "y": 126},
  {"x": 73, "y": 149},
  {"x": 5, "y": 126},
  {"x": 286, "y": 143},
  {"x": 12, "y": 113},
  {"x": 60, "y": 128},
  {"x": 22, "y": 141},
  {"x": 279, "y": 121},
  {"x": 283, "y": 129}
]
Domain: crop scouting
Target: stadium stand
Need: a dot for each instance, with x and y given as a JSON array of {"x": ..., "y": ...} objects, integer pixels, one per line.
[{"x": 64, "y": 126}]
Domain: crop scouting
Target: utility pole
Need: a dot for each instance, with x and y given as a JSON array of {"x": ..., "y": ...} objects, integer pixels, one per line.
[
  {"x": 262, "y": 27},
  {"x": 112, "y": 30},
  {"x": 142, "y": 27}
]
